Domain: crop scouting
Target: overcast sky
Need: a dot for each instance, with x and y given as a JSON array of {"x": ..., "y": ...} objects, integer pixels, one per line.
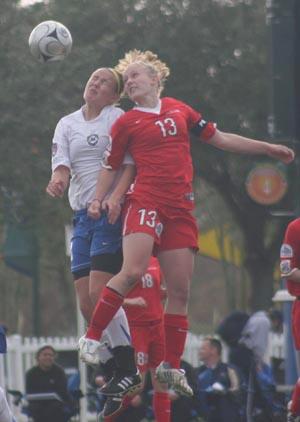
[{"x": 27, "y": 2}]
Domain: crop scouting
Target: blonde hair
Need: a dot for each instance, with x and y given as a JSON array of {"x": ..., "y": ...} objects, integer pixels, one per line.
[
  {"x": 118, "y": 78},
  {"x": 148, "y": 59}
]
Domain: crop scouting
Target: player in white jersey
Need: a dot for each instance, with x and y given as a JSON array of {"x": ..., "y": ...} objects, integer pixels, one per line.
[{"x": 79, "y": 144}]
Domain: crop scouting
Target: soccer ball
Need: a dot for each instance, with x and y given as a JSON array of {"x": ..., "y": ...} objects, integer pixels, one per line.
[{"x": 50, "y": 41}]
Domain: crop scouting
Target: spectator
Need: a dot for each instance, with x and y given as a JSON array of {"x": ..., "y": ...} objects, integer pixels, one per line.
[
  {"x": 277, "y": 345},
  {"x": 218, "y": 385},
  {"x": 5, "y": 412},
  {"x": 3, "y": 332},
  {"x": 247, "y": 353},
  {"x": 48, "y": 377}
]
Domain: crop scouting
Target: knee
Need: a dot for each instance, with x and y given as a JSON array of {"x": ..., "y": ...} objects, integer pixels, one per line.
[
  {"x": 178, "y": 293},
  {"x": 133, "y": 275}
]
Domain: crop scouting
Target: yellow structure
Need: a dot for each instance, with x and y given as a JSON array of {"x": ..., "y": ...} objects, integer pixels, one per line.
[{"x": 217, "y": 244}]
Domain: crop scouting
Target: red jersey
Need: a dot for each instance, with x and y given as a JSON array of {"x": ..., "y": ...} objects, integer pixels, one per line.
[
  {"x": 290, "y": 254},
  {"x": 158, "y": 141},
  {"x": 149, "y": 288}
]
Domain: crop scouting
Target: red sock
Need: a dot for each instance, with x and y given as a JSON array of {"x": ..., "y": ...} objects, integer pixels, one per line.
[
  {"x": 295, "y": 407},
  {"x": 162, "y": 407},
  {"x": 125, "y": 403},
  {"x": 176, "y": 327},
  {"x": 108, "y": 304}
]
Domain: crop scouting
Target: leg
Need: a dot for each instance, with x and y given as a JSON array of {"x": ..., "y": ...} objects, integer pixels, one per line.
[
  {"x": 82, "y": 292},
  {"x": 294, "y": 405},
  {"x": 161, "y": 400},
  {"x": 115, "y": 341},
  {"x": 177, "y": 267},
  {"x": 137, "y": 249}
]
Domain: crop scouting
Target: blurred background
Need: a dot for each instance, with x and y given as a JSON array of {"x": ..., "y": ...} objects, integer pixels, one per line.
[{"x": 237, "y": 61}]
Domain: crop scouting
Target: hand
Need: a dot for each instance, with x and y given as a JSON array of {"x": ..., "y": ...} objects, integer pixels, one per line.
[
  {"x": 94, "y": 209},
  {"x": 139, "y": 301},
  {"x": 56, "y": 187},
  {"x": 282, "y": 153},
  {"x": 113, "y": 209},
  {"x": 99, "y": 380},
  {"x": 287, "y": 275}
]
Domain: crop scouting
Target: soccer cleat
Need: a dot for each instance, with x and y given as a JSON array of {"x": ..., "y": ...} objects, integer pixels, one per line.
[
  {"x": 290, "y": 416},
  {"x": 119, "y": 385},
  {"x": 175, "y": 378},
  {"x": 112, "y": 407},
  {"x": 89, "y": 350}
]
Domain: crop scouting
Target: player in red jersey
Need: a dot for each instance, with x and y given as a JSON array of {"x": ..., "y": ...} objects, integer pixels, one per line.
[
  {"x": 290, "y": 270},
  {"x": 144, "y": 311},
  {"x": 158, "y": 209}
]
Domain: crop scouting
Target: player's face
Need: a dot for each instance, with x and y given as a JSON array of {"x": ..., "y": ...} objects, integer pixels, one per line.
[
  {"x": 139, "y": 82},
  {"x": 101, "y": 88}
]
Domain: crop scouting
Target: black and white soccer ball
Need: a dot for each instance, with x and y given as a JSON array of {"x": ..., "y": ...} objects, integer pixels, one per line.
[{"x": 50, "y": 41}]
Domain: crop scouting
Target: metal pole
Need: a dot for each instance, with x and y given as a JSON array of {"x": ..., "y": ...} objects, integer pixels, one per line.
[
  {"x": 36, "y": 316},
  {"x": 291, "y": 373}
]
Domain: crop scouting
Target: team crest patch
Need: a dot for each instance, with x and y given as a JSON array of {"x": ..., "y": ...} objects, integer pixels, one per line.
[
  {"x": 92, "y": 140},
  {"x": 158, "y": 229},
  {"x": 189, "y": 196},
  {"x": 286, "y": 251},
  {"x": 285, "y": 266},
  {"x": 54, "y": 149}
]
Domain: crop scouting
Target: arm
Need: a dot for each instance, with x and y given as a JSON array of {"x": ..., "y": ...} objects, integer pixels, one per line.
[
  {"x": 113, "y": 203},
  {"x": 135, "y": 301},
  {"x": 105, "y": 180},
  {"x": 61, "y": 163},
  {"x": 289, "y": 253},
  {"x": 59, "y": 181},
  {"x": 293, "y": 275},
  {"x": 236, "y": 143}
]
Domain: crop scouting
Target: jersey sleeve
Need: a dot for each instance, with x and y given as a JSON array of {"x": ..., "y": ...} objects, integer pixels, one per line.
[
  {"x": 115, "y": 153},
  {"x": 289, "y": 251},
  {"x": 199, "y": 126},
  {"x": 60, "y": 147}
]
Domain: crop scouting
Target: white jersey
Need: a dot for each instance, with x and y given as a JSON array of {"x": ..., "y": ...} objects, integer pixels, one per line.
[{"x": 80, "y": 145}]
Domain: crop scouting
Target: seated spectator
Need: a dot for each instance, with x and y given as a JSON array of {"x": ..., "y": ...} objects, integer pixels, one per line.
[
  {"x": 48, "y": 377},
  {"x": 218, "y": 385}
]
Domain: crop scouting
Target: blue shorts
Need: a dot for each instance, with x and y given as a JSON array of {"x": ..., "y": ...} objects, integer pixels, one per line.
[{"x": 92, "y": 238}]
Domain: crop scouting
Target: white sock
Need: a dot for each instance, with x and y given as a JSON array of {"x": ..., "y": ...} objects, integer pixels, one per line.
[{"x": 117, "y": 332}]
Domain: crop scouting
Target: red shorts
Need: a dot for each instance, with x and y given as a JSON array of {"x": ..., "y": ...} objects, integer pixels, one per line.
[
  {"x": 171, "y": 228},
  {"x": 149, "y": 344},
  {"x": 296, "y": 323}
]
